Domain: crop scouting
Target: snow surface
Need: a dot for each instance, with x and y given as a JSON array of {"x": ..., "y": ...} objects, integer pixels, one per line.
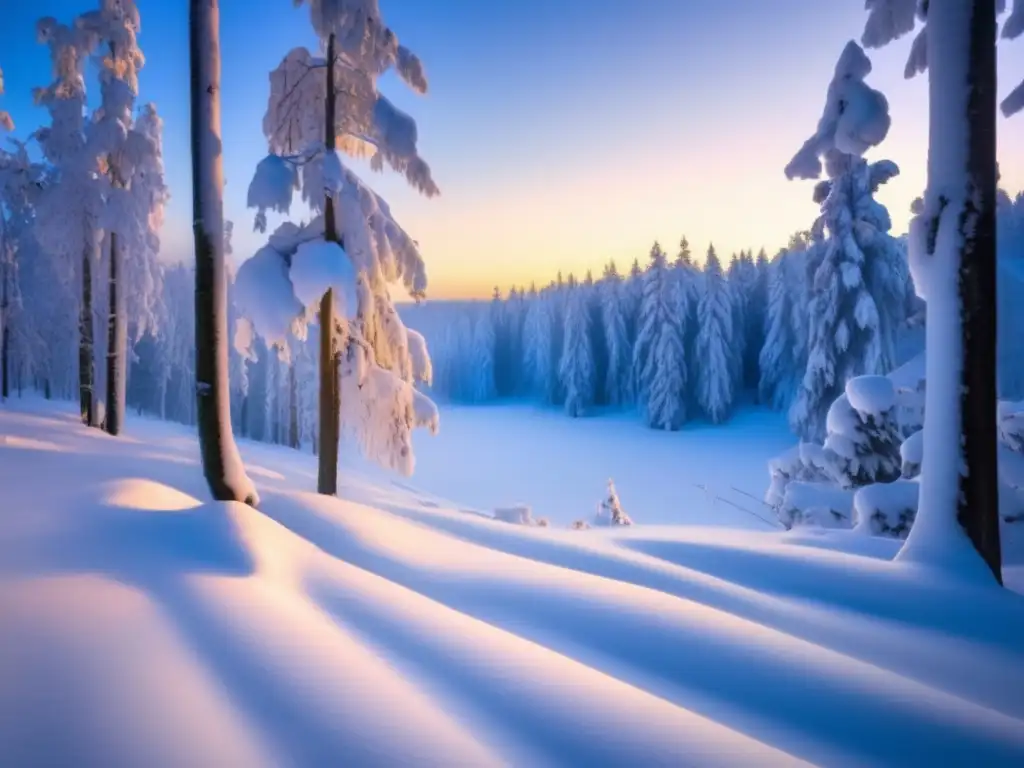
[{"x": 146, "y": 625}]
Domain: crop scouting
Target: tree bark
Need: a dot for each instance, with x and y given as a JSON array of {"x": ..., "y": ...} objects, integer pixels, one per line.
[
  {"x": 86, "y": 377},
  {"x": 293, "y": 408},
  {"x": 116, "y": 339},
  {"x": 330, "y": 393},
  {"x": 222, "y": 465},
  {"x": 978, "y": 509},
  {"x": 959, "y": 479}
]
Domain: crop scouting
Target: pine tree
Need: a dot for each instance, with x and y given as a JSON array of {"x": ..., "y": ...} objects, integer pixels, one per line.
[
  {"x": 616, "y": 337},
  {"x": 576, "y": 368},
  {"x": 659, "y": 361},
  {"x": 715, "y": 337},
  {"x": 482, "y": 370},
  {"x": 778, "y": 372}
]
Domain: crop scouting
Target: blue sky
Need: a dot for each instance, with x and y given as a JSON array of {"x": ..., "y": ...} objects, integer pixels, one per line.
[{"x": 562, "y": 133}]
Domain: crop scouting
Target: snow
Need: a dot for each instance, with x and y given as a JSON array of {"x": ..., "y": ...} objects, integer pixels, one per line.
[
  {"x": 264, "y": 295},
  {"x": 886, "y": 508},
  {"x": 872, "y": 395},
  {"x": 145, "y": 625},
  {"x": 318, "y": 266}
]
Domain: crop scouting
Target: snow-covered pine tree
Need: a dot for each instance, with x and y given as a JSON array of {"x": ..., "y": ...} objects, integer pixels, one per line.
[
  {"x": 482, "y": 367},
  {"x": 715, "y": 336},
  {"x": 846, "y": 338},
  {"x": 738, "y": 292},
  {"x": 632, "y": 295},
  {"x": 953, "y": 257},
  {"x": 863, "y": 442},
  {"x": 616, "y": 336},
  {"x": 609, "y": 511},
  {"x": 537, "y": 343},
  {"x": 659, "y": 362},
  {"x": 576, "y": 368},
  {"x": 353, "y": 249},
  {"x": 756, "y": 317},
  {"x": 778, "y": 373},
  {"x": 595, "y": 326},
  {"x": 687, "y": 294}
]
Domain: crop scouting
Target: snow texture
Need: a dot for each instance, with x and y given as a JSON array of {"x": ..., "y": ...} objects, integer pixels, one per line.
[
  {"x": 318, "y": 266},
  {"x": 886, "y": 509}
]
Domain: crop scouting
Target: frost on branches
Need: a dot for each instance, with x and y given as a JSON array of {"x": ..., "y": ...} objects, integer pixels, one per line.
[
  {"x": 278, "y": 289},
  {"x": 660, "y": 370},
  {"x": 576, "y": 368},
  {"x": 857, "y": 287},
  {"x": 715, "y": 336},
  {"x": 609, "y": 511}
]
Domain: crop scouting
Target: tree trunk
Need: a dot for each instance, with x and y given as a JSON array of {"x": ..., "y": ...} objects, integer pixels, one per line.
[
  {"x": 978, "y": 508},
  {"x": 5, "y": 336},
  {"x": 116, "y": 339},
  {"x": 959, "y": 473},
  {"x": 222, "y": 465},
  {"x": 293, "y": 408},
  {"x": 86, "y": 376},
  {"x": 330, "y": 392}
]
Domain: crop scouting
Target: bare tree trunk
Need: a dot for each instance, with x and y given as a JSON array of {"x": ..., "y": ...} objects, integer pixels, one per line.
[
  {"x": 330, "y": 392},
  {"x": 86, "y": 377},
  {"x": 116, "y": 339},
  {"x": 978, "y": 509},
  {"x": 222, "y": 464}
]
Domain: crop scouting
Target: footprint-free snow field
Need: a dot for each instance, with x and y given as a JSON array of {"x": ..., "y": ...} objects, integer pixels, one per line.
[{"x": 143, "y": 624}]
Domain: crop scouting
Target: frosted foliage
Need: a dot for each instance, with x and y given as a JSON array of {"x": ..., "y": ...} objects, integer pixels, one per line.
[
  {"x": 815, "y": 504},
  {"x": 715, "y": 334},
  {"x": 779, "y": 370},
  {"x": 609, "y": 511},
  {"x": 855, "y": 117},
  {"x": 576, "y": 368},
  {"x": 482, "y": 372},
  {"x": 537, "y": 332},
  {"x": 855, "y": 305},
  {"x": 422, "y": 369},
  {"x": 367, "y": 124},
  {"x": 318, "y": 266},
  {"x": 265, "y": 296},
  {"x": 862, "y": 447},
  {"x": 886, "y": 509},
  {"x": 616, "y": 337},
  {"x": 1011, "y": 425},
  {"x": 271, "y": 188},
  {"x": 888, "y": 20}
]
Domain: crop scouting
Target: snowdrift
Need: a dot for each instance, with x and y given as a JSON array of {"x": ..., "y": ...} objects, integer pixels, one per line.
[{"x": 145, "y": 625}]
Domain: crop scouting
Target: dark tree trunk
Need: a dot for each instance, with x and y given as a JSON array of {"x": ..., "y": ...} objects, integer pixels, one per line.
[
  {"x": 978, "y": 510},
  {"x": 86, "y": 376},
  {"x": 116, "y": 339},
  {"x": 330, "y": 392},
  {"x": 222, "y": 465}
]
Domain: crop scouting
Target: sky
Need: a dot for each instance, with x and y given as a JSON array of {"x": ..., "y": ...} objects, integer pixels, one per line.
[{"x": 562, "y": 133}]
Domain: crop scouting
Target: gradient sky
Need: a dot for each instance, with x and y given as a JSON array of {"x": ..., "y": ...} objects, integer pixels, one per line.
[{"x": 563, "y": 133}]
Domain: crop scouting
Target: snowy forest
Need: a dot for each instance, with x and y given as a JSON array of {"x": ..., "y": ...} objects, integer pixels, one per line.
[{"x": 266, "y": 499}]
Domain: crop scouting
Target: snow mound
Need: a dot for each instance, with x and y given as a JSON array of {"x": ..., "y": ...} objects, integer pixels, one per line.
[
  {"x": 871, "y": 395},
  {"x": 140, "y": 493},
  {"x": 317, "y": 266},
  {"x": 886, "y": 509}
]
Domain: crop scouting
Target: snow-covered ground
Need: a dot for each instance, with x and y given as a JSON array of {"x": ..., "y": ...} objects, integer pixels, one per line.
[
  {"x": 489, "y": 456},
  {"x": 143, "y": 625}
]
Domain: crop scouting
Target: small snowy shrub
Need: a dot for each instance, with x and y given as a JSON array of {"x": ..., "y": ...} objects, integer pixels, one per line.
[
  {"x": 580, "y": 525},
  {"x": 520, "y": 514},
  {"x": 886, "y": 509},
  {"x": 815, "y": 503},
  {"x": 863, "y": 442},
  {"x": 609, "y": 511}
]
